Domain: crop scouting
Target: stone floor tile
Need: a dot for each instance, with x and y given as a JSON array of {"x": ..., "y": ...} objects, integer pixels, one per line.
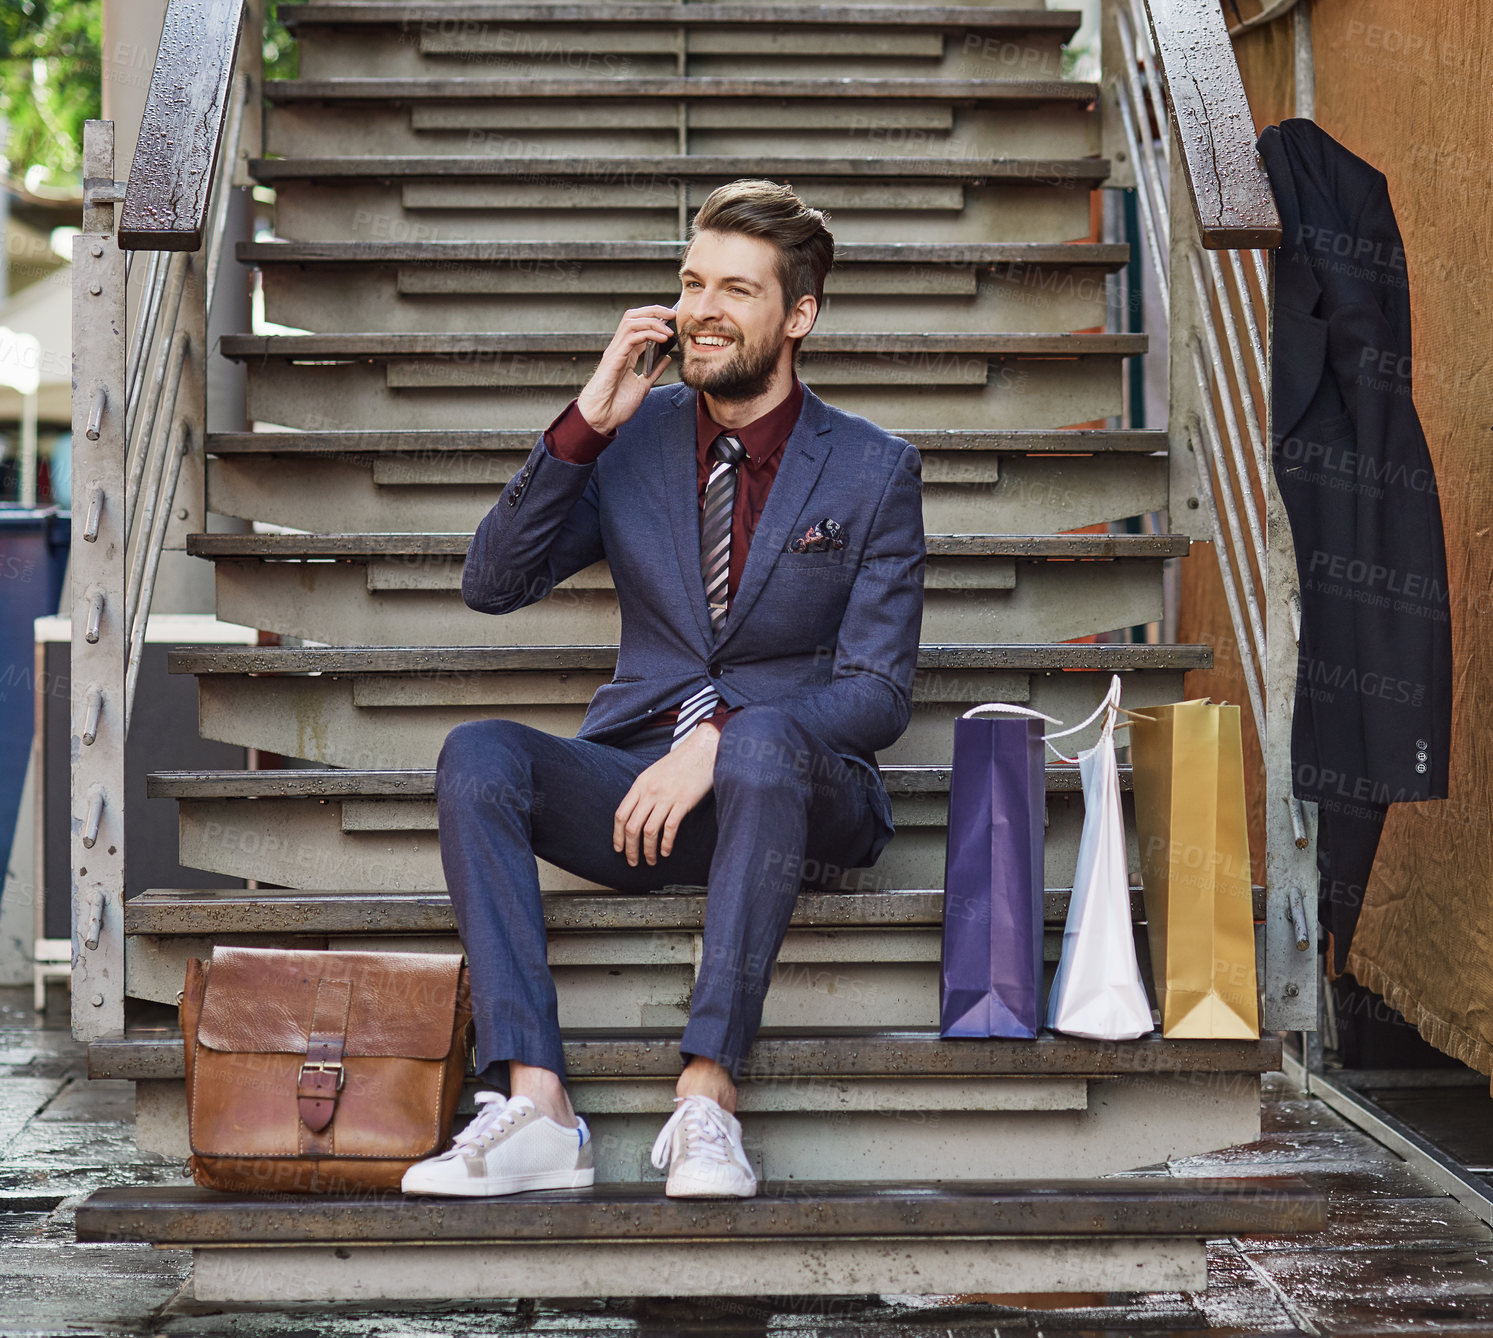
[
  {"x": 20, "y": 1100},
  {"x": 1367, "y": 1221},
  {"x": 108, "y": 1100},
  {"x": 1387, "y": 1290}
]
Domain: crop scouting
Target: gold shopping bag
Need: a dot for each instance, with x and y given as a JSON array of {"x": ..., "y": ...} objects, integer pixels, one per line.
[{"x": 1188, "y": 762}]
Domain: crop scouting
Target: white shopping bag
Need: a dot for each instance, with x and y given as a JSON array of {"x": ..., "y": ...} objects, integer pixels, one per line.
[{"x": 1097, "y": 992}]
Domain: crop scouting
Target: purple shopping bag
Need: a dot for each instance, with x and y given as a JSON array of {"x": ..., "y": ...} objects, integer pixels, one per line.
[{"x": 991, "y": 978}]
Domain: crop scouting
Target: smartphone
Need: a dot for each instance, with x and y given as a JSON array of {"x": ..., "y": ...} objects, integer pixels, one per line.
[{"x": 654, "y": 351}]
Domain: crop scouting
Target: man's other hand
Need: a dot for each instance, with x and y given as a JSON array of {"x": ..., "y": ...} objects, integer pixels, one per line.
[{"x": 650, "y": 812}]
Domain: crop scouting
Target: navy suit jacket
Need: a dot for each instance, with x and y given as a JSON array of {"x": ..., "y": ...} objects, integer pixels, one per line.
[{"x": 831, "y": 636}]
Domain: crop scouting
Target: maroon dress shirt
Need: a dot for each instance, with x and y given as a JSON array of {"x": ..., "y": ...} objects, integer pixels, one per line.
[{"x": 571, "y": 438}]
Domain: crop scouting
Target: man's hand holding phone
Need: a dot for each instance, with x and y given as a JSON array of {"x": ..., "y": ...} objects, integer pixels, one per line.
[{"x": 615, "y": 392}]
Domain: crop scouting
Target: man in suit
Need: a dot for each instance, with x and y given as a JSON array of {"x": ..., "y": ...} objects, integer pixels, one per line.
[
  {"x": 1372, "y": 721},
  {"x": 767, "y": 552}
]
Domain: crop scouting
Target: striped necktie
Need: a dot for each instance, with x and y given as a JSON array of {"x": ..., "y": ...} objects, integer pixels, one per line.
[{"x": 715, "y": 564}]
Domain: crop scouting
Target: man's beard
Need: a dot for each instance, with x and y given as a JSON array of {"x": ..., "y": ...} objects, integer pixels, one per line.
[{"x": 743, "y": 375}]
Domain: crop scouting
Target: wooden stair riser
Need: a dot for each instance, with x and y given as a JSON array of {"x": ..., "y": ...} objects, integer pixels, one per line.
[
  {"x": 632, "y": 208},
  {"x": 400, "y": 722},
  {"x": 391, "y": 844},
  {"x": 1012, "y": 494},
  {"x": 810, "y": 127},
  {"x": 1129, "y": 1122},
  {"x": 462, "y": 46},
  {"x": 161, "y": 1115},
  {"x": 846, "y": 978},
  {"x": 547, "y": 295},
  {"x": 816, "y": 1265},
  {"x": 937, "y": 390},
  {"x": 331, "y": 602}
]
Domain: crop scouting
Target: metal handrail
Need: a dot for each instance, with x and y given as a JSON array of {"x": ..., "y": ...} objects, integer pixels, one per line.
[
  {"x": 214, "y": 244},
  {"x": 1175, "y": 63},
  {"x": 1149, "y": 186},
  {"x": 1207, "y": 328},
  {"x": 153, "y": 462},
  {"x": 158, "y": 335},
  {"x": 1223, "y": 554},
  {"x": 139, "y": 414},
  {"x": 163, "y": 433},
  {"x": 157, "y": 542},
  {"x": 155, "y": 280}
]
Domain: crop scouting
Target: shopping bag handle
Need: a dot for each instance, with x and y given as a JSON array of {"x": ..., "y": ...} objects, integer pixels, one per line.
[
  {"x": 1021, "y": 710},
  {"x": 1014, "y": 710},
  {"x": 1110, "y": 708}
]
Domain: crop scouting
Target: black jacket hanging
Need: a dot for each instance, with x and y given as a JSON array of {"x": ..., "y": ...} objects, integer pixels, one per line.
[{"x": 1373, "y": 687}]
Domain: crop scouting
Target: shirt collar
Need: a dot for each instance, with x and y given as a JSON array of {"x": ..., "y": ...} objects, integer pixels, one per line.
[{"x": 763, "y": 437}]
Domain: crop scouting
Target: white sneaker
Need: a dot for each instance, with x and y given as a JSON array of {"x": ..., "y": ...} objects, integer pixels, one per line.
[
  {"x": 508, "y": 1148},
  {"x": 701, "y": 1147}
]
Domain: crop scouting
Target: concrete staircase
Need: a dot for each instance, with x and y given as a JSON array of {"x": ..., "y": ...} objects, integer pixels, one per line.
[{"x": 468, "y": 193}]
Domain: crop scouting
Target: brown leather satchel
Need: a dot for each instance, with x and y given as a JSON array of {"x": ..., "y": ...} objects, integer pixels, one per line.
[{"x": 324, "y": 1072}]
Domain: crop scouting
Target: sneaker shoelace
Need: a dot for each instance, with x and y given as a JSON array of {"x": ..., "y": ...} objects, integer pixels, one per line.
[
  {"x": 704, "y": 1126},
  {"x": 495, "y": 1113}
]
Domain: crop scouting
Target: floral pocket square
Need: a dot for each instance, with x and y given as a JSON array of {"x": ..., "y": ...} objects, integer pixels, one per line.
[{"x": 819, "y": 538}]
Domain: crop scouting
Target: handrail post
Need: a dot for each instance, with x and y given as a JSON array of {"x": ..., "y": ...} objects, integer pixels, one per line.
[
  {"x": 1189, "y": 514},
  {"x": 98, "y": 568},
  {"x": 1113, "y": 145},
  {"x": 251, "y": 66},
  {"x": 1290, "y": 998}
]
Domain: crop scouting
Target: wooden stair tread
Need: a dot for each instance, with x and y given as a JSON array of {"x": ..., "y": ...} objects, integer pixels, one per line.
[
  {"x": 1109, "y": 1206},
  {"x": 1107, "y": 255},
  {"x": 1066, "y": 172},
  {"x": 471, "y": 88},
  {"x": 173, "y": 911},
  {"x": 1082, "y": 656},
  {"x": 1019, "y": 441},
  {"x": 1064, "y": 22},
  {"x": 822, "y": 1053},
  {"x": 350, "y": 782},
  {"x": 356, "y": 547},
  {"x": 434, "y": 344}
]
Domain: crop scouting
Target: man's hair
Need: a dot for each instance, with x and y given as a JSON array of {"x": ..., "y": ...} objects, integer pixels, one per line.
[{"x": 759, "y": 208}]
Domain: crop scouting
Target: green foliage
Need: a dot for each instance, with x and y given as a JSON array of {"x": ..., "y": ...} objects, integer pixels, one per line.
[
  {"x": 49, "y": 81},
  {"x": 281, "y": 56}
]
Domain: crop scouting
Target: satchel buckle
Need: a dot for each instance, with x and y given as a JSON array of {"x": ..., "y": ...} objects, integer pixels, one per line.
[{"x": 319, "y": 1067}]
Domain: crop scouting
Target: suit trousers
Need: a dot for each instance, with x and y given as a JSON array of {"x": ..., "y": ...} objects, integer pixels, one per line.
[{"x": 784, "y": 811}]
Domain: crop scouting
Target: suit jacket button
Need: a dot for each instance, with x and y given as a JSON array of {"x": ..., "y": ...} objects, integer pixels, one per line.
[
  {"x": 715, "y": 669},
  {"x": 1421, "y": 767},
  {"x": 1421, "y": 743}
]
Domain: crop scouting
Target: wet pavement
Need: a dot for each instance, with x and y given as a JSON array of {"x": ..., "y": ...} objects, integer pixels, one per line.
[{"x": 1397, "y": 1256}]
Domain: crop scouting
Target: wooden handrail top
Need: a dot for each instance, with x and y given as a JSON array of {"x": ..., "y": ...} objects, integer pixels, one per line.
[
  {"x": 181, "y": 131},
  {"x": 1231, "y": 195}
]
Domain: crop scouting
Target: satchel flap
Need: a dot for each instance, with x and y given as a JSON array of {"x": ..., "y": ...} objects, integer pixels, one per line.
[{"x": 262, "y": 1000}]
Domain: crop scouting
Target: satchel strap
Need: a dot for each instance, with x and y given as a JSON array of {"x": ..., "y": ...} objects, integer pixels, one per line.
[{"x": 321, "y": 1074}]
